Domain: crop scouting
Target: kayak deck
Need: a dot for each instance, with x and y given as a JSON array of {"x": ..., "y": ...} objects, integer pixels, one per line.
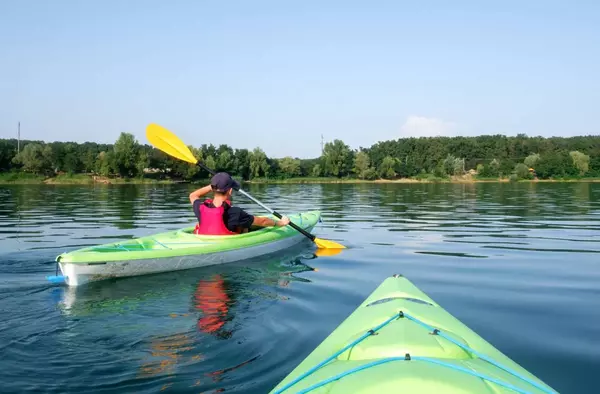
[
  {"x": 400, "y": 340},
  {"x": 184, "y": 242}
]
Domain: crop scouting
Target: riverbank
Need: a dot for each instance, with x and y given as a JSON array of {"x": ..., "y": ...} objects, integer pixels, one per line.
[
  {"x": 77, "y": 179},
  {"x": 415, "y": 180},
  {"x": 83, "y": 179}
]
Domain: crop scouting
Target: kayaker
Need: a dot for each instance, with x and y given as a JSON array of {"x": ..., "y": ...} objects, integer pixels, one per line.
[{"x": 216, "y": 216}]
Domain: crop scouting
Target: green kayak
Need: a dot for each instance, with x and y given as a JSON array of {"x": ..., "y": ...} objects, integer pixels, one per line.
[
  {"x": 400, "y": 341},
  {"x": 177, "y": 250}
]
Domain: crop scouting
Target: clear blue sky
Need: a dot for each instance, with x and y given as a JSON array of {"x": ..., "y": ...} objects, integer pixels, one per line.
[{"x": 278, "y": 74}]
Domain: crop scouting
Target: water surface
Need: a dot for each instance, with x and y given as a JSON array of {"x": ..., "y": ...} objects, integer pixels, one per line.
[{"x": 519, "y": 264}]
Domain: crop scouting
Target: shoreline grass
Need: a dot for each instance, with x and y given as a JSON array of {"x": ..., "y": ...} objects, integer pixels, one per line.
[
  {"x": 20, "y": 178},
  {"x": 427, "y": 179},
  {"x": 9, "y": 178}
]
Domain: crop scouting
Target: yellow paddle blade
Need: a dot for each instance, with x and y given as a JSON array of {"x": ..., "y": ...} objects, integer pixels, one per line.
[
  {"x": 327, "y": 252},
  {"x": 326, "y": 244},
  {"x": 169, "y": 143}
]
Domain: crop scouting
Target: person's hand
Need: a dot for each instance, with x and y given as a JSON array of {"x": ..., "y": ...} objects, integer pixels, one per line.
[{"x": 284, "y": 221}]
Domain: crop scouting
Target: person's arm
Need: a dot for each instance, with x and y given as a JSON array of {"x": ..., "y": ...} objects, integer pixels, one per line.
[
  {"x": 196, "y": 194},
  {"x": 241, "y": 221},
  {"x": 262, "y": 221}
]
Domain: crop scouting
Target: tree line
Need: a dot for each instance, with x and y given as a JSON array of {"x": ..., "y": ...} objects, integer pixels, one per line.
[{"x": 488, "y": 156}]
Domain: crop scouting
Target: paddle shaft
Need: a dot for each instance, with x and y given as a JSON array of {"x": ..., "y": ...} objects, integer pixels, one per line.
[{"x": 275, "y": 213}]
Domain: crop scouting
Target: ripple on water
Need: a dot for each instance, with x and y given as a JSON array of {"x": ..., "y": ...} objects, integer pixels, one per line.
[{"x": 516, "y": 263}]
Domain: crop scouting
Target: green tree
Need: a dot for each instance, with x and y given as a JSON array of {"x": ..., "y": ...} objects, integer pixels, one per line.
[
  {"x": 225, "y": 161},
  {"x": 361, "y": 164},
  {"x": 405, "y": 168},
  {"x": 241, "y": 163},
  {"x": 57, "y": 158},
  {"x": 210, "y": 162},
  {"x": 142, "y": 162},
  {"x": 594, "y": 166},
  {"x": 370, "y": 174},
  {"x": 412, "y": 156},
  {"x": 103, "y": 163},
  {"x": 531, "y": 160},
  {"x": 458, "y": 166},
  {"x": 125, "y": 155},
  {"x": 448, "y": 165},
  {"x": 267, "y": 165},
  {"x": 209, "y": 150},
  {"x": 71, "y": 159},
  {"x": 522, "y": 171},
  {"x": 386, "y": 169},
  {"x": 555, "y": 164},
  {"x": 88, "y": 161},
  {"x": 316, "y": 170},
  {"x": 494, "y": 167},
  {"x": 489, "y": 171},
  {"x": 258, "y": 163},
  {"x": 290, "y": 166},
  {"x": 507, "y": 166},
  {"x": 8, "y": 151},
  {"x": 35, "y": 158},
  {"x": 338, "y": 158},
  {"x": 480, "y": 169},
  {"x": 581, "y": 161}
]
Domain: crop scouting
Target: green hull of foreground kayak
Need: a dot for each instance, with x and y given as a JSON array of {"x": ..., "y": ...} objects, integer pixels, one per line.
[
  {"x": 178, "y": 250},
  {"x": 400, "y": 341}
]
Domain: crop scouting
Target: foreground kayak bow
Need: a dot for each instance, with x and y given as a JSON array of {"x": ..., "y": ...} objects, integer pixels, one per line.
[{"x": 400, "y": 341}]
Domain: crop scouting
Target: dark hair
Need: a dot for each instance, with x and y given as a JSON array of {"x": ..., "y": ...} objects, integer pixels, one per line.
[{"x": 217, "y": 192}]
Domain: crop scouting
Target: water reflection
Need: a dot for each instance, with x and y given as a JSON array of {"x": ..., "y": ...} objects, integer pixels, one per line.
[
  {"x": 166, "y": 352},
  {"x": 128, "y": 206},
  {"x": 208, "y": 287},
  {"x": 212, "y": 301},
  {"x": 196, "y": 307}
]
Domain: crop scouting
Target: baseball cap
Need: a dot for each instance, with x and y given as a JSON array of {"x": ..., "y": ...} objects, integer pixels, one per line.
[{"x": 222, "y": 182}]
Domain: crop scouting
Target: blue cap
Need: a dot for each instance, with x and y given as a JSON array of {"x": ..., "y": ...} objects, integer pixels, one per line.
[{"x": 222, "y": 182}]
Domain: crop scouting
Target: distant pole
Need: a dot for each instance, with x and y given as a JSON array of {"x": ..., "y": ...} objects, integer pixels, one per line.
[
  {"x": 19, "y": 137},
  {"x": 322, "y": 144}
]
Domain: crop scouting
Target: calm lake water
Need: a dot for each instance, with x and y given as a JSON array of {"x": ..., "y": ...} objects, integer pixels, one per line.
[{"x": 519, "y": 264}]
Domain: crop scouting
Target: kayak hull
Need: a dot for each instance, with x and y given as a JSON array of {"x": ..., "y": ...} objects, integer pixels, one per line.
[
  {"x": 177, "y": 250},
  {"x": 400, "y": 340}
]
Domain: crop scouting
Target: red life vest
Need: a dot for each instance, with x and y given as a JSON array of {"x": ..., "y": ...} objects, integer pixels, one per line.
[{"x": 211, "y": 220}]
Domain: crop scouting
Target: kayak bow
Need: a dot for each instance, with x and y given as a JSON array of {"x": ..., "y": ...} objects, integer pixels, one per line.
[{"x": 400, "y": 340}]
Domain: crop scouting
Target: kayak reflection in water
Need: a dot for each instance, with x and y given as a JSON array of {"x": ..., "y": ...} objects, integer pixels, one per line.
[
  {"x": 215, "y": 297},
  {"x": 216, "y": 216},
  {"x": 212, "y": 300}
]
